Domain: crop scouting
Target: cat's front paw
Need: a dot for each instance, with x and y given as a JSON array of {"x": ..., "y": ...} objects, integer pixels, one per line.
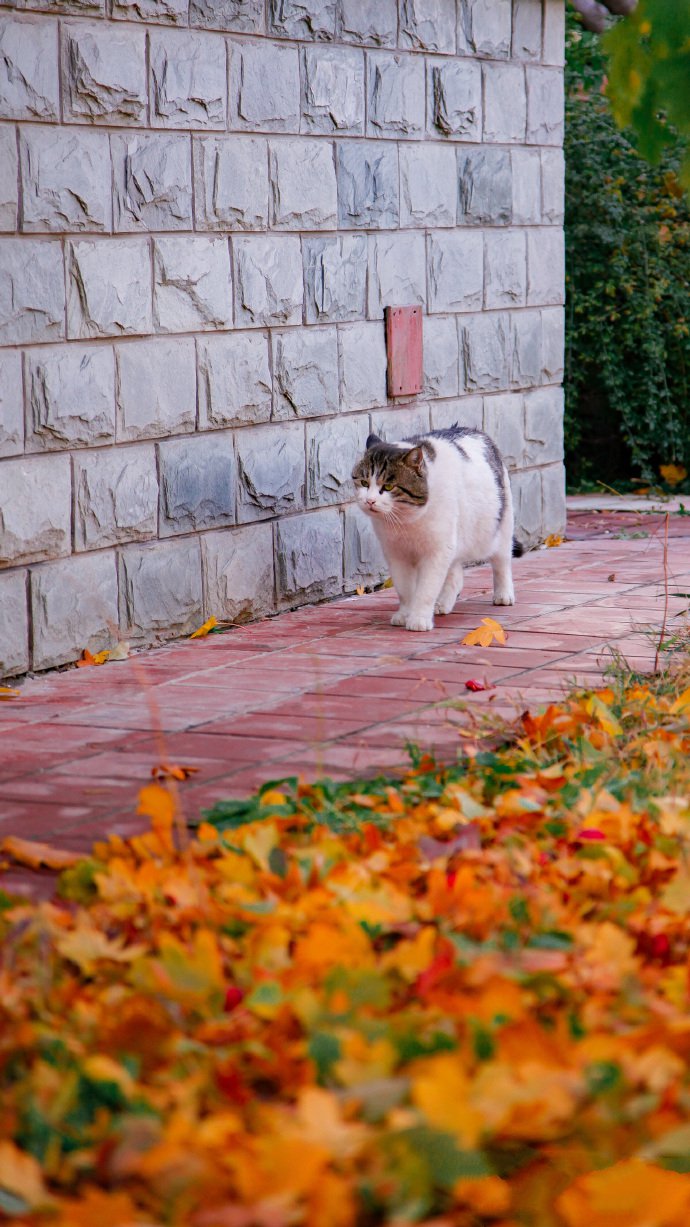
[
  {"x": 417, "y": 622},
  {"x": 505, "y": 598},
  {"x": 444, "y": 605},
  {"x": 399, "y": 618}
]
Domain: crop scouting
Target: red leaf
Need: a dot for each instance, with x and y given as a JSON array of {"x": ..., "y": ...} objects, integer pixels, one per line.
[{"x": 474, "y": 685}]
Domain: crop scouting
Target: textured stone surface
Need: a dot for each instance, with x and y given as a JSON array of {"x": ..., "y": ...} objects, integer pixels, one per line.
[
  {"x": 553, "y": 500},
  {"x": 397, "y": 271},
  {"x": 400, "y": 423},
  {"x": 32, "y": 291},
  {"x": 70, "y": 395},
  {"x": 428, "y": 25},
  {"x": 197, "y": 481},
  {"x": 485, "y": 186},
  {"x": 484, "y": 28},
  {"x": 466, "y": 411},
  {"x": 368, "y": 192},
  {"x": 166, "y": 12},
  {"x": 234, "y": 379},
  {"x": 188, "y": 80},
  {"x": 526, "y": 29},
  {"x": 364, "y": 561},
  {"x": 526, "y": 166},
  {"x": 527, "y": 504},
  {"x": 115, "y": 496},
  {"x": 484, "y": 346},
  {"x": 543, "y": 425},
  {"x": 35, "y": 512},
  {"x": 73, "y": 606},
  {"x": 505, "y": 102},
  {"x": 332, "y": 449},
  {"x": 441, "y": 356},
  {"x": 268, "y": 280},
  {"x": 109, "y": 287},
  {"x": 362, "y": 365},
  {"x": 396, "y": 92},
  {"x": 335, "y": 275},
  {"x": 14, "y": 620},
  {"x": 192, "y": 285},
  {"x": 456, "y": 274},
  {"x": 11, "y": 407},
  {"x": 152, "y": 174},
  {"x": 309, "y": 557},
  {"x": 65, "y": 179},
  {"x": 374, "y": 22},
  {"x": 545, "y": 105},
  {"x": 155, "y": 388},
  {"x": 504, "y": 423},
  {"x": 454, "y": 99},
  {"x": 553, "y": 185},
  {"x": 333, "y": 90},
  {"x": 231, "y": 183},
  {"x": 104, "y": 74},
  {"x": 238, "y": 573},
  {"x": 29, "y": 86},
  {"x": 160, "y": 588},
  {"x": 302, "y": 18},
  {"x": 553, "y": 344},
  {"x": 264, "y": 87},
  {"x": 305, "y": 373},
  {"x": 77, "y": 8},
  {"x": 505, "y": 268},
  {"x": 271, "y": 470},
  {"x": 303, "y": 191},
  {"x": 554, "y": 31},
  {"x": 545, "y": 264},
  {"x": 242, "y": 16},
  {"x": 428, "y": 185},
  {"x": 525, "y": 353},
  {"x": 8, "y": 179}
]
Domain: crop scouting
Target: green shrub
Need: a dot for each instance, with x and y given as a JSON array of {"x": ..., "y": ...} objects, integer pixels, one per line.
[{"x": 628, "y": 290}]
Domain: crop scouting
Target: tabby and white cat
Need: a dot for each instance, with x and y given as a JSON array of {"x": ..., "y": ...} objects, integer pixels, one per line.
[{"x": 438, "y": 501}]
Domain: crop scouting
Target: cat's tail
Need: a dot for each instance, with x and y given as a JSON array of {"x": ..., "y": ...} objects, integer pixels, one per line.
[{"x": 518, "y": 549}]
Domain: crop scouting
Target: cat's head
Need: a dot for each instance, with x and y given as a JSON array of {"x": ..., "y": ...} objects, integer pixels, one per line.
[{"x": 391, "y": 478}]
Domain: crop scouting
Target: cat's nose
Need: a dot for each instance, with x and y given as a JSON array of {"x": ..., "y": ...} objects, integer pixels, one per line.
[{"x": 371, "y": 502}]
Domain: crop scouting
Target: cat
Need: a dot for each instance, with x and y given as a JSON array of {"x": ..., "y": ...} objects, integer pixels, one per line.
[{"x": 437, "y": 501}]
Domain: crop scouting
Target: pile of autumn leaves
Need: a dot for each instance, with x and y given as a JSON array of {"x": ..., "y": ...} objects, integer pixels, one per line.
[{"x": 463, "y": 998}]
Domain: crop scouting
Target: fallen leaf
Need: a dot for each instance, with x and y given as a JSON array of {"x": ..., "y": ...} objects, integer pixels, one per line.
[
  {"x": 120, "y": 651},
  {"x": 628, "y": 1194},
  {"x": 21, "y": 1176},
  {"x": 359, "y": 590},
  {"x": 484, "y": 635},
  {"x": 86, "y": 659},
  {"x": 6, "y": 692},
  {"x": 611, "y": 579},
  {"x": 553, "y": 539},
  {"x": 476, "y": 686},
  {"x": 673, "y": 474},
  {"x": 171, "y": 771},
  {"x": 387, "y": 583},
  {"x": 35, "y": 854},
  {"x": 203, "y": 631}
]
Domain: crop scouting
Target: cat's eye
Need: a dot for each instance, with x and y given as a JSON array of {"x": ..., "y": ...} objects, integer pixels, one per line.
[
  {"x": 388, "y": 487},
  {"x": 364, "y": 481}
]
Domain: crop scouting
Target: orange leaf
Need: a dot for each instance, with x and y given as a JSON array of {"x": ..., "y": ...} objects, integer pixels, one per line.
[
  {"x": 553, "y": 539},
  {"x": 21, "y": 1177},
  {"x": 6, "y": 692},
  {"x": 203, "y": 631},
  {"x": 673, "y": 474},
  {"x": 35, "y": 854},
  {"x": 484, "y": 635},
  {"x": 629, "y": 1194},
  {"x": 171, "y": 771},
  {"x": 86, "y": 659},
  {"x": 359, "y": 590}
]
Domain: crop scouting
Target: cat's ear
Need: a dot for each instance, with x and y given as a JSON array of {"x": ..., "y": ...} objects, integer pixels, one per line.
[
  {"x": 415, "y": 459},
  {"x": 372, "y": 440}
]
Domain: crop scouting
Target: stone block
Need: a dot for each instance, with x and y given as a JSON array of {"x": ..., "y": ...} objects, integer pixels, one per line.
[
  {"x": 76, "y": 8},
  {"x": 303, "y": 188},
  {"x": 8, "y": 179},
  {"x": 546, "y": 267},
  {"x": 192, "y": 284},
  {"x": 332, "y": 449},
  {"x": 428, "y": 185},
  {"x": 553, "y": 185},
  {"x": 441, "y": 356},
  {"x": 29, "y": 87},
  {"x": 234, "y": 379},
  {"x": 505, "y": 268},
  {"x": 230, "y": 183},
  {"x": 271, "y": 467},
  {"x": 65, "y": 178},
  {"x": 525, "y": 356},
  {"x": 554, "y": 32},
  {"x": 115, "y": 496},
  {"x": 466, "y": 411},
  {"x": 545, "y": 105},
  {"x": 14, "y": 620},
  {"x": 305, "y": 373},
  {"x": 505, "y": 103},
  {"x": 428, "y": 25},
  {"x": 363, "y": 366},
  {"x": 396, "y": 95},
  {"x": 309, "y": 557},
  {"x": 527, "y": 506},
  {"x": 240, "y": 16},
  {"x": 32, "y": 291},
  {"x": 333, "y": 90},
  {"x": 302, "y": 18},
  {"x": 526, "y": 30},
  {"x": 11, "y": 406},
  {"x": 70, "y": 396},
  {"x": 485, "y": 183},
  {"x": 397, "y": 271},
  {"x": 108, "y": 287},
  {"x": 335, "y": 276},
  {"x": 484, "y": 28},
  {"x": 368, "y": 189},
  {"x": 456, "y": 270},
  {"x": 160, "y": 589},
  {"x": 35, "y": 512},
  {"x": 485, "y": 350},
  {"x": 73, "y": 607},
  {"x": 155, "y": 388},
  {"x": 401, "y": 422},
  {"x": 371, "y": 22},
  {"x": 553, "y": 344},
  {"x": 162, "y": 12},
  {"x": 104, "y": 74},
  {"x": 553, "y": 500},
  {"x": 188, "y": 79},
  {"x": 504, "y": 423},
  {"x": 543, "y": 425},
  {"x": 197, "y": 483},
  {"x": 152, "y": 175},
  {"x": 264, "y": 87},
  {"x": 526, "y": 166},
  {"x": 364, "y": 560},
  {"x": 237, "y": 566},
  {"x": 268, "y": 280},
  {"x": 454, "y": 99}
]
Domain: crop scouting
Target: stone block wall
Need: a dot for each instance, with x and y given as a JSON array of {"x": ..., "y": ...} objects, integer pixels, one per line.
[{"x": 205, "y": 207}]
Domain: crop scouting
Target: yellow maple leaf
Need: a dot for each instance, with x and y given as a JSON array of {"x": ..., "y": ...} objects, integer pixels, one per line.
[
  {"x": 440, "y": 1091},
  {"x": 483, "y": 636},
  {"x": 673, "y": 474},
  {"x": 203, "y": 631},
  {"x": 86, "y": 945},
  {"x": 553, "y": 539}
]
